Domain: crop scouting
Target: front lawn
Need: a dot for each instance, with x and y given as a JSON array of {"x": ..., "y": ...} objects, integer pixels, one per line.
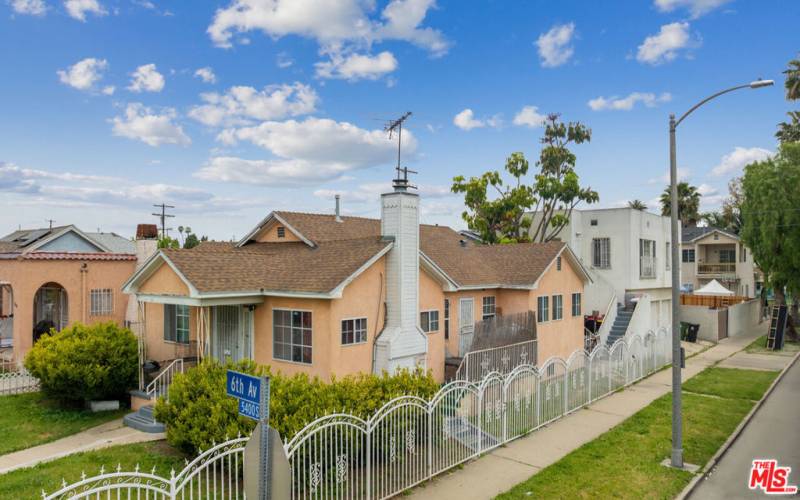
[
  {"x": 29, "y": 483},
  {"x": 36, "y": 420},
  {"x": 626, "y": 461},
  {"x": 759, "y": 346}
]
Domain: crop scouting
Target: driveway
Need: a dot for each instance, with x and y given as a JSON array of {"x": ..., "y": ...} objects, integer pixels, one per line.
[{"x": 772, "y": 433}]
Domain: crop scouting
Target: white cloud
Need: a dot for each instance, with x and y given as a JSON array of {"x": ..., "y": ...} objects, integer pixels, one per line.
[
  {"x": 330, "y": 22},
  {"x": 306, "y": 152},
  {"x": 83, "y": 74},
  {"x": 143, "y": 124},
  {"x": 707, "y": 190},
  {"x": 683, "y": 174},
  {"x": 29, "y": 7},
  {"x": 370, "y": 192},
  {"x": 735, "y": 161},
  {"x": 465, "y": 120},
  {"x": 241, "y": 105},
  {"x": 555, "y": 46},
  {"x": 206, "y": 74},
  {"x": 356, "y": 66},
  {"x": 627, "y": 103},
  {"x": 77, "y": 9},
  {"x": 108, "y": 90},
  {"x": 283, "y": 60},
  {"x": 696, "y": 8},
  {"x": 664, "y": 46},
  {"x": 529, "y": 116},
  {"x": 146, "y": 78}
]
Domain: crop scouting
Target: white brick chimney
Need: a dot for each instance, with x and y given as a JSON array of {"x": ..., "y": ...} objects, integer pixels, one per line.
[{"x": 401, "y": 344}]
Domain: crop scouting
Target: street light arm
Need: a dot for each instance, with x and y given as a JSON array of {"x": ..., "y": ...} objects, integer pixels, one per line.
[{"x": 708, "y": 99}]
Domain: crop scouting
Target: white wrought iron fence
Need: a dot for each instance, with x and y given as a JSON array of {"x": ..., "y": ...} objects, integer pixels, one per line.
[
  {"x": 15, "y": 379},
  {"x": 409, "y": 440},
  {"x": 476, "y": 365}
]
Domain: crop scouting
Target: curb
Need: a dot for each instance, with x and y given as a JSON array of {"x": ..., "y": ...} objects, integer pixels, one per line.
[{"x": 736, "y": 433}]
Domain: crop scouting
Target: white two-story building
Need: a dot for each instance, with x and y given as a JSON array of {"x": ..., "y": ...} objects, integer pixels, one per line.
[{"x": 710, "y": 253}]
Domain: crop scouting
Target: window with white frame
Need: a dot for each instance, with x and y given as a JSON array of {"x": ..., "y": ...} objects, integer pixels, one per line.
[
  {"x": 543, "y": 308},
  {"x": 176, "y": 323},
  {"x": 101, "y": 302},
  {"x": 687, "y": 255},
  {"x": 447, "y": 318},
  {"x": 489, "y": 307},
  {"x": 429, "y": 321},
  {"x": 558, "y": 307},
  {"x": 291, "y": 335},
  {"x": 647, "y": 258},
  {"x": 354, "y": 331},
  {"x": 601, "y": 253},
  {"x": 576, "y": 304}
]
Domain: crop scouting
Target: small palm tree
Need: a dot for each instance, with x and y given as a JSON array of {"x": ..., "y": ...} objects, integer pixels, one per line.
[
  {"x": 792, "y": 82},
  {"x": 688, "y": 203},
  {"x": 637, "y": 205}
]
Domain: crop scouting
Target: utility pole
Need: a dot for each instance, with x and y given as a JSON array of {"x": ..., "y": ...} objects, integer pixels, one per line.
[
  {"x": 50, "y": 221},
  {"x": 163, "y": 216},
  {"x": 399, "y": 182}
]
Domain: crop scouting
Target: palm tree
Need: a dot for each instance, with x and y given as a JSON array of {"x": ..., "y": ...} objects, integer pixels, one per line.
[
  {"x": 789, "y": 132},
  {"x": 688, "y": 203},
  {"x": 637, "y": 205},
  {"x": 792, "y": 83}
]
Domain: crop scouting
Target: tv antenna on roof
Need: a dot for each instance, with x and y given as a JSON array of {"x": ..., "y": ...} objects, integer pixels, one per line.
[{"x": 401, "y": 181}]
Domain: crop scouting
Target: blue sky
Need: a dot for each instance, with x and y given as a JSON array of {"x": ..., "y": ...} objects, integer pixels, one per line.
[{"x": 233, "y": 108}]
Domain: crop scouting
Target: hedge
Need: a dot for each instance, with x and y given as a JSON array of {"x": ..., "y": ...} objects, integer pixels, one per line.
[
  {"x": 200, "y": 413},
  {"x": 85, "y": 362}
]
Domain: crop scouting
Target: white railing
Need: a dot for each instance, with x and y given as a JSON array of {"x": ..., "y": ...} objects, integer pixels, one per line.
[
  {"x": 159, "y": 387},
  {"x": 647, "y": 267},
  {"x": 215, "y": 473},
  {"x": 409, "y": 440},
  {"x": 15, "y": 379},
  {"x": 477, "y": 364},
  {"x": 608, "y": 319}
]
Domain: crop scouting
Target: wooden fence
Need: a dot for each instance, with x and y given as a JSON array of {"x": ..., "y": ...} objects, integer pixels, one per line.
[{"x": 712, "y": 300}]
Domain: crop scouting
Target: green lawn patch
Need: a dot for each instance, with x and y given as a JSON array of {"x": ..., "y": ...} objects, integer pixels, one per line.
[
  {"x": 759, "y": 346},
  {"x": 626, "y": 461},
  {"x": 36, "y": 420},
  {"x": 731, "y": 383},
  {"x": 29, "y": 483}
]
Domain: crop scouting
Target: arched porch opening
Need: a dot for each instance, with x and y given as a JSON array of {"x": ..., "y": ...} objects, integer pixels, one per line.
[{"x": 50, "y": 309}]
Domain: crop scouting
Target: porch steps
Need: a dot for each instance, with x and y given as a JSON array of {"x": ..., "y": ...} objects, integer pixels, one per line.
[
  {"x": 620, "y": 325},
  {"x": 143, "y": 420}
]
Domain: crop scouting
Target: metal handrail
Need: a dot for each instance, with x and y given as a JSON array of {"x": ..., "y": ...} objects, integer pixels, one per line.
[{"x": 160, "y": 385}]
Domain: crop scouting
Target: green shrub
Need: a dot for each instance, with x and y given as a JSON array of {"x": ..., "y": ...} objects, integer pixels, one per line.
[
  {"x": 83, "y": 362},
  {"x": 199, "y": 412}
]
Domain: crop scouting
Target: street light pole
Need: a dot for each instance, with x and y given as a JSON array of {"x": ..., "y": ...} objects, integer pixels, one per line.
[{"x": 677, "y": 420}]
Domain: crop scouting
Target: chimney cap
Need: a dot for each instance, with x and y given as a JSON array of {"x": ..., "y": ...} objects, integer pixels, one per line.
[{"x": 146, "y": 232}]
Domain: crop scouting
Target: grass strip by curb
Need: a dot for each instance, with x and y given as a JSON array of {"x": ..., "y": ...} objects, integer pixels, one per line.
[{"x": 625, "y": 461}]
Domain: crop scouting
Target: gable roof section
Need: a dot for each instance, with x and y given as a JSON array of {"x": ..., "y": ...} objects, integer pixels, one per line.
[
  {"x": 25, "y": 242},
  {"x": 690, "y": 234}
]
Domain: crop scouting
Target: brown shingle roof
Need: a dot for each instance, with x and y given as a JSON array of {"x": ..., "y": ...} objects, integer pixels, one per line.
[
  {"x": 322, "y": 227},
  {"x": 291, "y": 266}
]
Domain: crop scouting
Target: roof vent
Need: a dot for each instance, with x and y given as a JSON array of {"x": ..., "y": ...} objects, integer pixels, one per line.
[
  {"x": 463, "y": 243},
  {"x": 338, "y": 208}
]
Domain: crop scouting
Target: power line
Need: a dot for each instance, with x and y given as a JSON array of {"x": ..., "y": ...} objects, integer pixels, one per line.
[{"x": 163, "y": 216}]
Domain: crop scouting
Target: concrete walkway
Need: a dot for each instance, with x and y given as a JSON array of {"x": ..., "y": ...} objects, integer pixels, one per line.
[
  {"x": 105, "y": 435},
  {"x": 507, "y": 466},
  {"x": 772, "y": 433}
]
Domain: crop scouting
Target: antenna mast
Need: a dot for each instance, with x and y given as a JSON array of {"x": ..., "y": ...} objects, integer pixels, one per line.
[{"x": 399, "y": 183}]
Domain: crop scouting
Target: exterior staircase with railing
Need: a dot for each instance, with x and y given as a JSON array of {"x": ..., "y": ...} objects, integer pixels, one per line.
[
  {"x": 142, "y": 401},
  {"x": 620, "y": 325}
]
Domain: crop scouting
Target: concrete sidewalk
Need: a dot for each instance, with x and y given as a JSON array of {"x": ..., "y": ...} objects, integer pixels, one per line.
[
  {"x": 507, "y": 466},
  {"x": 102, "y": 436}
]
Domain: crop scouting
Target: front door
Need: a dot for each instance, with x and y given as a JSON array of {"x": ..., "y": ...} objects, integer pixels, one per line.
[
  {"x": 232, "y": 333},
  {"x": 466, "y": 326}
]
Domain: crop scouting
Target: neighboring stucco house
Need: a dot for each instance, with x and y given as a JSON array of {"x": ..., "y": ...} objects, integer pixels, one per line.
[
  {"x": 709, "y": 253},
  {"x": 53, "y": 277},
  {"x": 330, "y": 295}
]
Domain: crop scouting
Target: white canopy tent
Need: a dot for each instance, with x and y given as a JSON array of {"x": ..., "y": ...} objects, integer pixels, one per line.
[{"x": 713, "y": 288}]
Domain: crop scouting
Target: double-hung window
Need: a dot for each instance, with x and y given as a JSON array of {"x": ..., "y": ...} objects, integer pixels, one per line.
[
  {"x": 488, "y": 307},
  {"x": 601, "y": 253},
  {"x": 291, "y": 335},
  {"x": 576, "y": 304},
  {"x": 354, "y": 331},
  {"x": 101, "y": 302},
  {"x": 647, "y": 258},
  {"x": 543, "y": 308},
  {"x": 687, "y": 255},
  {"x": 447, "y": 318},
  {"x": 727, "y": 256},
  {"x": 176, "y": 323},
  {"x": 558, "y": 307},
  {"x": 429, "y": 321}
]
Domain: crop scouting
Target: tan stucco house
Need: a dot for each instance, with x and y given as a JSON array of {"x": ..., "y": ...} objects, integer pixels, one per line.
[
  {"x": 53, "y": 277},
  {"x": 330, "y": 295},
  {"x": 709, "y": 253}
]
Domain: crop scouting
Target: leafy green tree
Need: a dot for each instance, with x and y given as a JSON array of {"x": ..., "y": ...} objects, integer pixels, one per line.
[
  {"x": 714, "y": 219},
  {"x": 500, "y": 216},
  {"x": 771, "y": 220},
  {"x": 789, "y": 131},
  {"x": 191, "y": 241},
  {"x": 168, "y": 242},
  {"x": 637, "y": 205},
  {"x": 732, "y": 206},
  {"x": 688, "y": 203}
]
